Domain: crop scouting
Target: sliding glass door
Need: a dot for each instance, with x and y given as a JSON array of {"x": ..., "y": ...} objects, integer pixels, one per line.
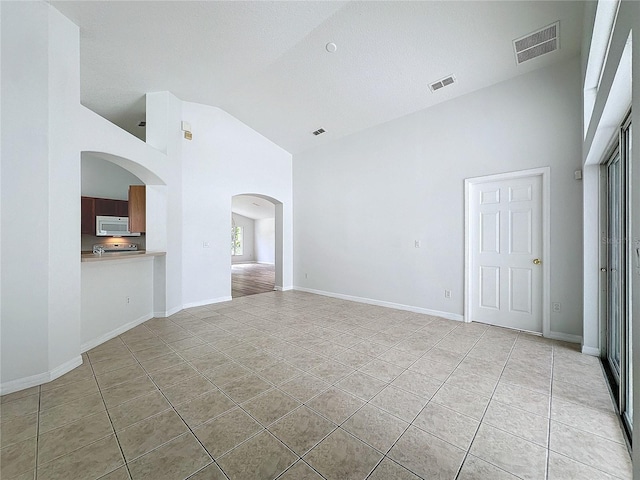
[
  {"x": 615, "y": 263},
  {"x": 617, "y": 353}
]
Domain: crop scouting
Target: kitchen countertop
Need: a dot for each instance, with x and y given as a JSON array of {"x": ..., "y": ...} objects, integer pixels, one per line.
[{"x": 88, "y": 256}]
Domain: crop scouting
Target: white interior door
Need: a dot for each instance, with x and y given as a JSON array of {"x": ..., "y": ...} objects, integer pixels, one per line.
[{"x": 506, "y": 274}]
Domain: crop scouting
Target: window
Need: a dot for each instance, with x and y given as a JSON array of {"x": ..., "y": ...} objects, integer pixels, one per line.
[{"x": 236, "y": 240}]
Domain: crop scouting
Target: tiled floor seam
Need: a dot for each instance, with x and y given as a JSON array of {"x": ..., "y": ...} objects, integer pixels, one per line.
[
  {"x": 124, "y": 459},
  {"x": 189, "y": 430},
  {"x": 35, "y": 475},
  {"x": 553, "y": 370},
  {"x": 294, "y": 464},
  {"x": 467, "y": 453}
]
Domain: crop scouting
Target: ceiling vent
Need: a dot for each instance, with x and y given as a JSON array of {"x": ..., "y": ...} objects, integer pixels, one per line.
[
  {"x": 443, "y": 82},
  {"x": 320, "y": 131},
  {"x": 537, "y": 43}
]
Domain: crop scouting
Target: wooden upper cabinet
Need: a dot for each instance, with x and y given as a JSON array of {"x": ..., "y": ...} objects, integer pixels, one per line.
[
  {"x": 137, "y": 208},
  {"x": 106, "y": 206},
  {"x": 122, "y": 208},
  {"x": 90, "y": 207},
  {"x": 112, "y": 208},
  {"x": 88, "y": 215}
]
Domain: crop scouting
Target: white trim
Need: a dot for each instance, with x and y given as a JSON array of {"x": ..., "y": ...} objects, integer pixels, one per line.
[
  {"x": 545, "y": 173},
  {"x": 200, "y": 303},
  {"x": 35, "y": 380},
  {"x": 564, "y": 337},
  {"x": 595, "y": 352},
  {"x": 283, "y": 289},
  {"x": 167, "y": 313},
  {"x": 86, "y": 346},
  {"x": 381, "y": 303}
]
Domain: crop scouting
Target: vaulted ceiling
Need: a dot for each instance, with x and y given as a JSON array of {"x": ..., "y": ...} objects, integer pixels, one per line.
[{"x": 267, "y": 63}]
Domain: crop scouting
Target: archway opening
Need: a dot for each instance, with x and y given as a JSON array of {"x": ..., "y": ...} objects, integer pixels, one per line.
[{"x": 256, "y": 244}]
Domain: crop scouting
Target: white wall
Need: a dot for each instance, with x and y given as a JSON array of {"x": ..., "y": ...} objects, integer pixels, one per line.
[
  {"x": 248, "y": 248},
  {"x": 25, "y": 257},
  {"x": 363, "y": 200},
  {"x": 103, "y": 179},
  {"x": 265, "y": 240},
  {"x": 225, "y": 158},
  {"x": 44, "y": 129},
  {"x": 105, "y": 288}
]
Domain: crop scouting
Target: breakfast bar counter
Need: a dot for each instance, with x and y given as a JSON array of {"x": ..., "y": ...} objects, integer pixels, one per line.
[{"x": 88, "y": 256}]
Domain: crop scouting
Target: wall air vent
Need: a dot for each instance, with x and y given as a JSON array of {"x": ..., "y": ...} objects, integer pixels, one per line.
[
  {"x": 537, "y": 43},
  {"x": 443, "y": 82},
  {"x": 320, "y": 131},
  {"x": 142, "y": 124}
]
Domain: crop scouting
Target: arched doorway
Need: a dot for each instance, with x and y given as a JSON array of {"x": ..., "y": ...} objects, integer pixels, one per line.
[{"x": 256, "y": 244}]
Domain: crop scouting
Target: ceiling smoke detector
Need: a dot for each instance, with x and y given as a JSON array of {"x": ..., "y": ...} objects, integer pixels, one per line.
[
  {"x": 443, "y": 82},
  {"x": 538, "y": 43},
  {"x": 320, "y": 131}
]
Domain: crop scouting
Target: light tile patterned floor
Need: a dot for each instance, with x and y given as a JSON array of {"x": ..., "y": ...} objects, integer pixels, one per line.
[{"x": 297, "y": 386}]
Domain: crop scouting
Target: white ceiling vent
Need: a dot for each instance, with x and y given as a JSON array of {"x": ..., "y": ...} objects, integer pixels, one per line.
[
  {"x": 320, "y": 131},
  {"x": 443, "y": 82},
  {"x": 537, "y": 43}
]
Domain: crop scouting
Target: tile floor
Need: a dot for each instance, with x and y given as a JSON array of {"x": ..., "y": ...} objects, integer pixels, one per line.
[{"x": 296, "y": 386}]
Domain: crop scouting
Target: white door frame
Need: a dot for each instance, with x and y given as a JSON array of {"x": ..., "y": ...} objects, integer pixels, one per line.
[{"x": 545, "y": 174}]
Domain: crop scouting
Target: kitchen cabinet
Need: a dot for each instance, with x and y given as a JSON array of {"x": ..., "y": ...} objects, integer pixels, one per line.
[
  {"x": 112, "y": 208},
  {"x": 90, "y": 207},
  {"x": 88, "y": 216},
  {"x": 137, "y": 208}
]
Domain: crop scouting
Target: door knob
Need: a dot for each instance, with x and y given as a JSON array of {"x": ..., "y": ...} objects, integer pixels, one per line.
[
  {"x": 536, "y": 261},
  {"x": 603, "y": 270}
]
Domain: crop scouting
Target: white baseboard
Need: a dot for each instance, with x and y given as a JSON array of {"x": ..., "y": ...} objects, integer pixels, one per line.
[
  {"x": 381, "y": 303},
  {"x": 564, "y": 337},
  {"x": 167, "y": 313},
  {"x": 282, "y": 289},
  {"x": 114, "y": 333},
  {"x": 593, "y": 351},
  {"x": 34, "y": 380},
  {"x": 206, "y": 302}
]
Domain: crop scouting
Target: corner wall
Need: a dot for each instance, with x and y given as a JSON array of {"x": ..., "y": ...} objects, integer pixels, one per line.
[
  {"x": 362, "y": 201},
  {"x": 225, "y": 158},
  {"x": 40, "y": 168}
]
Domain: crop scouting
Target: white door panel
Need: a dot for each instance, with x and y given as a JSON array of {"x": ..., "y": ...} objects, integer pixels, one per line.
[{"x": 505, "y": 238}]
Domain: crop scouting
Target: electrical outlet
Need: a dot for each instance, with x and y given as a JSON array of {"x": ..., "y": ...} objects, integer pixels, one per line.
[
  {"x": 128, "y": 299},
  {"x": 447, "y": 294},
  {"x": 555, "y": 306},
  {"x": 416, "y": 243},
  {"x": 306, "y": 275},
  {"x": 205, "y": 245}
]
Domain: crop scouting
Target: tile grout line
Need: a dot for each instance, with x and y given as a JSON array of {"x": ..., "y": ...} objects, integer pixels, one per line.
[
  {"x": 553, "y": 372},
  {"x": 113, "y": 428},
  {"x": 189, "y": 430},
  {"x": 38, "y": 432},
  {"x": 248, "y": 324},
  {"x": 467, "y": 453},
  {"x": 410, "y": 424}
]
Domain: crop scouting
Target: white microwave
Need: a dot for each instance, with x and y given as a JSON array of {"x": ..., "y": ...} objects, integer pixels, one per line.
[{"x": 107, "y": 226}]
